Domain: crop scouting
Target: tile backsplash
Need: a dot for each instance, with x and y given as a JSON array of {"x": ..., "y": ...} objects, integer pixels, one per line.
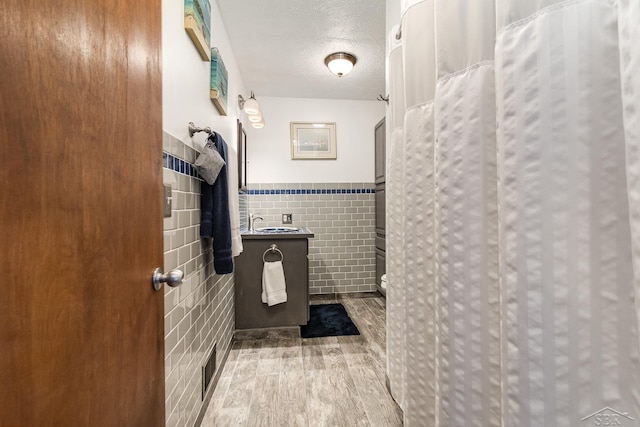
[
  {"x": 199, "y": 312},
  {"x": 342, "y": 217}
]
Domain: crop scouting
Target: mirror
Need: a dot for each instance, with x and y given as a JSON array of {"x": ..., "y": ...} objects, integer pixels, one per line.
[{"x": 242, "y": 157}]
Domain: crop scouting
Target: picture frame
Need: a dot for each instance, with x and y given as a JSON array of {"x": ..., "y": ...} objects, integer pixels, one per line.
[
  {"x": 197, "y": 23},
  {"x": 219, "y": 82},
  {"x": 313, "y": 141},
  {"x": 242, "y": 157}
]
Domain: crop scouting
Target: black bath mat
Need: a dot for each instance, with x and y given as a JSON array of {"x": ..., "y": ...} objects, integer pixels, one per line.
[{"x": 328, "y": 320}]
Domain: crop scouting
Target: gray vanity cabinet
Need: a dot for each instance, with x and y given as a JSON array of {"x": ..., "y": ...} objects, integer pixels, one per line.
[{"x": 250, "y": 311}]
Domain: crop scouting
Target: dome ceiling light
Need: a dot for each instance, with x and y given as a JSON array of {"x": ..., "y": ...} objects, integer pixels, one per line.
[{"x": 340, "y": 63}]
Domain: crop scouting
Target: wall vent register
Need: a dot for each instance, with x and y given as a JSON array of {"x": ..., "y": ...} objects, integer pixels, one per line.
[{"x": 208, "y": 370}]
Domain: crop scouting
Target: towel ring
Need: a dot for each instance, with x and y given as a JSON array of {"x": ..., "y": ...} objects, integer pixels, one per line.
[{"x": 272, "y": 248}]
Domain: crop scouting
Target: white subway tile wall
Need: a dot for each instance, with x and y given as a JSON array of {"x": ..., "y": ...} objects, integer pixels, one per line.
[
  {"x": 342, "y": 217},
  {"x": 200, "y": 312}
]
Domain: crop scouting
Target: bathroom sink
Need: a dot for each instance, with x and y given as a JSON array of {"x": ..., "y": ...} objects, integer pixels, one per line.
[{"x": 277, "y": 229}]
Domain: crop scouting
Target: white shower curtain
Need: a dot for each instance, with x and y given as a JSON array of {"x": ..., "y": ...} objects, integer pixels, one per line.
[
  {"x": 395, "y": 241},
  {"x": 514, "y": 181}
]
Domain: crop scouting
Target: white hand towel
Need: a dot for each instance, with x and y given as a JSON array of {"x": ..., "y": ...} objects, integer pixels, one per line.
[
  {"x": 274, "y": 288},
  {"x": 234, "y": 203}
]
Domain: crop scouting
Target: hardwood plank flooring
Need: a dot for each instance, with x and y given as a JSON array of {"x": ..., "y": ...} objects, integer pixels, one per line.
[{"x": 315, "y": 382}]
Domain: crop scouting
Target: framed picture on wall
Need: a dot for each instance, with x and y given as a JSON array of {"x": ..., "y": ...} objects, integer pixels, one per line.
[
  {"x": 313, "y": 140},
  {"x": 219, "y": 82},
  {"x": 197, "y": 23}
]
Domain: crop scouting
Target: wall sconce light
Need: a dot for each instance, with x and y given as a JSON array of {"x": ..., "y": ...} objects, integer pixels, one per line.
[
  {"x": 252, "y": 108},
  {"x": 258, "y": 125},
  {"x": 340, "y": 63}
]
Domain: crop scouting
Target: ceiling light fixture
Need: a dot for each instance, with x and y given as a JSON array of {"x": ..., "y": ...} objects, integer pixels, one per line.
[{"x": 340, "y": 63}]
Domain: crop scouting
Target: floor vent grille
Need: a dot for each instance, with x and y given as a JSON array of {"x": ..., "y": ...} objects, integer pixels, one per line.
[{"x": 208, "y": 370}]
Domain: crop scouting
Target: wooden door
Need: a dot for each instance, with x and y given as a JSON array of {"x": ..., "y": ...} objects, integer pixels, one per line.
[{"x": 81, "y": 328}]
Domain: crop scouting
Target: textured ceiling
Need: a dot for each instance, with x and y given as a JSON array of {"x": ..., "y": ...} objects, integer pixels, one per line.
[{"x": 280, "y": 46}]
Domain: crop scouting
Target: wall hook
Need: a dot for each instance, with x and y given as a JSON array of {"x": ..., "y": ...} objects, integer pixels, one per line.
[
  {"x": 194, "y": 129},
  {"x": 383, "y": 98}
]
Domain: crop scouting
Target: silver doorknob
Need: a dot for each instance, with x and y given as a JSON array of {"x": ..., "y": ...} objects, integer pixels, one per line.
[{"x": 172, "y": 278}]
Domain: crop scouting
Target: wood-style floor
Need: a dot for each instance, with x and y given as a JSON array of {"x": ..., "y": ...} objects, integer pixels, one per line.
[{"x": 332, "y": 381}]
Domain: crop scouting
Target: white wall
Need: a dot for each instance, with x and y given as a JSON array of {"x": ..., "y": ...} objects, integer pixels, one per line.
[
  {"x": 185, "y": 98},
  {"x": 392, "y": 16},
  {"x": 269, "y": 149},
  {"x": 185, "y": 79}
]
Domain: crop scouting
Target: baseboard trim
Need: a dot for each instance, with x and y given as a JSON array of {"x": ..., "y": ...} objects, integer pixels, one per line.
[{"x": 345, "y": 295}]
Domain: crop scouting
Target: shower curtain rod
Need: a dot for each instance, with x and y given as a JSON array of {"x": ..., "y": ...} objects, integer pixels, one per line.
[{"x": 194, "y": 129}]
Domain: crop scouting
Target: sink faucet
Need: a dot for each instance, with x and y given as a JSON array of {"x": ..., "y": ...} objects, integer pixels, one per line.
[{"x": 252, "y": 221}]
